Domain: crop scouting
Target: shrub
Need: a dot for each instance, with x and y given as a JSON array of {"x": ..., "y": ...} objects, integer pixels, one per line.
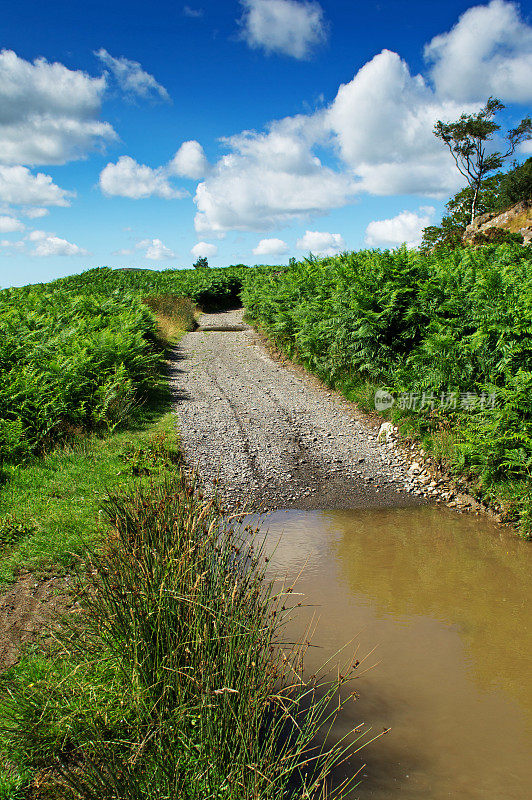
[
  {"x": 455, "y": 321},
  {"x": 516, "y": 186},
  {"x": 496, "y": 235}
]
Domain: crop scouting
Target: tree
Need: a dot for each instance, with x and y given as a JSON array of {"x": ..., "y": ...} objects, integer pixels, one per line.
[
  {"x": 201, "y": 263},
  {"x": 450, "y": 231},
  {"x": 467, "y": 140}
]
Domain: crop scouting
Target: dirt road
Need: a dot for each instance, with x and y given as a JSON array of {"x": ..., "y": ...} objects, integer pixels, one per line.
[{"x": 272, "y": 434}]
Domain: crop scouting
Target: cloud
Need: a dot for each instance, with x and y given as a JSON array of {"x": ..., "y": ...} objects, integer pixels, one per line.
[
  {"x": 405, "y": 227},
  {"x": 193, "y": 13},
  {"x": 10, "y": 224},
  {"x": 35, "y": 213},
  {"x": 488, "y": 52},
  {"x": 379, "y": 126},
  {"x": 203, "y": 249},
  {"x": 19, "y": 186},
  {"x": 12, "y": 248},
  {"x": 127, "y": 178},
  {"x": 283, "y": 26},
  {"x": 270, "y": 247},
  {"x": 269, "y": 179},
  {"x": 154, "y": 249},
  {"x": 47, "y": 244},
  {"x": 131, "y": 78},
  {"x": 189, "y": 161},
  {"x": 125, "y": 251},
  {"x": 48, "y": 113},
  {"x": 321, "y": 243},
  {"x": 382, "y": 123},
  {"x": 376, "y": 136}
]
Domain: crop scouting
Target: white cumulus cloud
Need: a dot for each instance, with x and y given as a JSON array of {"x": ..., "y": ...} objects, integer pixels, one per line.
[
  {"x": 204, "y": 249},
  {"x": 379, "y": 125},
  {"x": 48, "y": 244},
  {"x": 48, "y": 113},
  {"x": 488, "y": 52},
  {"x": 189, "y": 161},
  {"x": 269, "y": 179},
  {"x": 127, "y": 178},
  {"x": 283, "y": 26},
  {"x": 382, "y": 122},
  {"x": 20, "y": 187},
  {"x": 406, "y": 227},
  {"x": 321, "y": 243},
  {"x": 131, "y": 77},
  {"x": 10, "y": 224},
  {"x": 154, "y": 249},
  {"x": 270, "y": 247}
]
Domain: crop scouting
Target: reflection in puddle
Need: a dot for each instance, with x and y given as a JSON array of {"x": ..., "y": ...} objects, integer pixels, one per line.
[{"x": 442, "y": 597}]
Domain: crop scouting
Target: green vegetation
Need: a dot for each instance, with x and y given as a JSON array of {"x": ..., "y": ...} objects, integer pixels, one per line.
[
  {"x": 49, "y": 508},
  {"x": 82, "y": 352},
  {"x": 448, "y": 324},
  {"x": 467, "y": 140},
  {"x": 172, "y": 681},
  {"x": 516, "y": 185},
  {"x": 496, "y": 194}
]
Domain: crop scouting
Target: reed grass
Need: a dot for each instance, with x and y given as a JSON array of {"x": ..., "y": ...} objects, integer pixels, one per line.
[
  {"x": 174, "y": 315},
  {"x": 174, "y": 681}
]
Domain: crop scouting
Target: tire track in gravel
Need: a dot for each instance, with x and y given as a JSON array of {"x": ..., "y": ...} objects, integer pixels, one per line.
[{"x": 272, "y": 435}]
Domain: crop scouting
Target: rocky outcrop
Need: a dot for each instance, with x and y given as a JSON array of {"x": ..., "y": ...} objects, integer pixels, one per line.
[{"x": 517, "y": 219}]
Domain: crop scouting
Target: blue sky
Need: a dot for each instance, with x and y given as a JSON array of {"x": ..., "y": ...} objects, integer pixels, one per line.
[{"x": 145, "y": 135}]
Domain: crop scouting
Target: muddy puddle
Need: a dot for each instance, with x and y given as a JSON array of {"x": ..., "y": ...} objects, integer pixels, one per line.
[{"x": 438, "y": 604}]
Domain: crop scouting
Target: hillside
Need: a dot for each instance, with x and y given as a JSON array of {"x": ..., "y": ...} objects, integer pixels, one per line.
[{"x": 516, "y": 219}]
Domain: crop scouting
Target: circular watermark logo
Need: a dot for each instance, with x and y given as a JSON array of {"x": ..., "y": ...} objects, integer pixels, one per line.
[{"x": 383, "y": 400}]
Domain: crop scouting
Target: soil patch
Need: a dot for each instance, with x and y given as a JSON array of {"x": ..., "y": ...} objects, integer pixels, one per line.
[{"x": 27, "y": 611}]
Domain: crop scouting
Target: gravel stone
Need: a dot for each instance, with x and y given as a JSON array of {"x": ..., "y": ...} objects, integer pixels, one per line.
[{"x": 268, "y": 436}]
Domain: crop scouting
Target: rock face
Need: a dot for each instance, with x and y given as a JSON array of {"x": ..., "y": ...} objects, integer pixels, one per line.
[{"x": 517, "y": 219}]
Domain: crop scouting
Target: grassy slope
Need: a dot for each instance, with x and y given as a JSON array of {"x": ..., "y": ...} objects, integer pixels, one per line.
[
  {"x": 50, "y": 508},
  {"x": 54, "y": 502}
]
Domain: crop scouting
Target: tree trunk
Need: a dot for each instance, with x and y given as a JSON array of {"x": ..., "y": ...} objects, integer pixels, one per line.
[{"x": 474, "y": 203}]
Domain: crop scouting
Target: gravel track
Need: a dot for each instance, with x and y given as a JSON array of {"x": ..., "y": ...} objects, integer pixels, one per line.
[{"x": 271, "y": 434}]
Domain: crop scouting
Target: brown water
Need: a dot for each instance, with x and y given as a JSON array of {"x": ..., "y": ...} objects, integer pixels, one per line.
[{"x": 444, "y": 600}]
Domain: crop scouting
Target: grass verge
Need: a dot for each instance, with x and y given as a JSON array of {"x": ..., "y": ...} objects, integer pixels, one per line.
[
  {"x": 49, "y": 509},
  {"x": 49, "y": 505},
  {"x": 171, "y": 678},
  {"x": 173, "y": 681}
]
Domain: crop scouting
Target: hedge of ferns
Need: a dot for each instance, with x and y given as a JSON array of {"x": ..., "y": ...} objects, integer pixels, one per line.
[
  {"x": 80, "y": 352},
  {"x": 444, "y": 326}
]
